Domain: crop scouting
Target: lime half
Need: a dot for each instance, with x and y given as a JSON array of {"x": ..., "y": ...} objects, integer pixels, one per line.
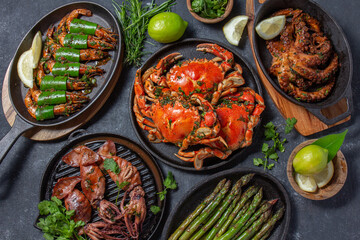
[
  {"x": 271, "y": 27},
  {"x": 234, "y": 28},
  {"x": 322, "y": 178},
  {"x": 306, "y": 183},
  {"x": 25, "y": 68},
  {"x": 36, "y": 47}
]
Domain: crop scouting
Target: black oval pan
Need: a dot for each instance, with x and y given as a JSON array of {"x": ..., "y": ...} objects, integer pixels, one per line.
[
  {"x": 272, "y": 189},
  {"x": 165, "y": 151},
  {"x": 150, "y": 173},
  {"x": 331, "y": 29},
  {"x": 17, "y": 91}
]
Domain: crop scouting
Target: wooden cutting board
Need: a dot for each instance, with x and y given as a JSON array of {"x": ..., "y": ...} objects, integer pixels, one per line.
[
  {"x": 307, "y": 124},
  {"x": 52, "y": 133}
]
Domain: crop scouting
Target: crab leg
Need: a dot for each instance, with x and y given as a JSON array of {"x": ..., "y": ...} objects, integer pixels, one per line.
[{"x": 198, "y": 156}]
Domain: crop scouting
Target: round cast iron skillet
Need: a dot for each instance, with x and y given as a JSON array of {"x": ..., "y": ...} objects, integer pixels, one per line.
[
  {"x": 165, "y": 151},
  {"x": 17, "y": 91},
  {"x": 333, "y": 31},
  {"x": 151, "y": 175},
  {"x": 272, "y": 189}
]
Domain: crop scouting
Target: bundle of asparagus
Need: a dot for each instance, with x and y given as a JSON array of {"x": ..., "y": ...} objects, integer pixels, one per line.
[{"x": 233, "y": 215}]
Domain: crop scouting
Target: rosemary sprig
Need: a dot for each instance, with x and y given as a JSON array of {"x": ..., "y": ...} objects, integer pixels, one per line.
[{"x": 134, "y": 19}]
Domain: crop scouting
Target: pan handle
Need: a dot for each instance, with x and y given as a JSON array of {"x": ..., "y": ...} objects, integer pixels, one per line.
[
  {"x": 19, "y": 127},
  {"x": 327, "y": 121}
]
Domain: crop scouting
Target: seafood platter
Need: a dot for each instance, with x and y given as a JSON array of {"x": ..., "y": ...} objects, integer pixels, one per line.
[{"x": 197, "y": 107}]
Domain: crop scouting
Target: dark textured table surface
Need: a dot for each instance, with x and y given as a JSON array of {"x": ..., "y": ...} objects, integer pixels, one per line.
[{"x": 22, "y": 169}]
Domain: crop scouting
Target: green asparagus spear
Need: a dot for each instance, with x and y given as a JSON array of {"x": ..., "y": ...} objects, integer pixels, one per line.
[
  {"x": 236, "y": 190},
  {"x": 197, "y": 211},
  {"x": 263, "y": 208},
  {"x": 255, "y": 226},
  {"x": 205, "y": 213},
  {"x": 239, "y": 224},
  {"x": 266, "y": 229},
  {"x": 246, "y": 179},
  {"x": 267, "y": 234},
  {"x": 223, "y": 219},
  {"x": 245, "y": 196}
]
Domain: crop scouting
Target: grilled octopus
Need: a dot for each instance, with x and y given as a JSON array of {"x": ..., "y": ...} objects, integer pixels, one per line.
[{"x": 303, "y": 59}]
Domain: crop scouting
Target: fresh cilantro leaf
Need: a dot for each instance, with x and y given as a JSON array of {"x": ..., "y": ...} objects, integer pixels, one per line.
[
  {"x": 110, "y": 164},
  {"x": 162, "y": 194},
  {"x": 258, "y": 161},
  {"x": 58, "y": 223},
  {"x": 290, "y": 122},
  {"x": 155, "y": 209},
  {"x": 270, "y": 166},
  {"x": 270, "y": 131},
  {"x": 170, "y": 181},
  {"x": 274, "y": 156},
  {"x": 122, "y": 185},
  {"x": 265, "y": 147}
]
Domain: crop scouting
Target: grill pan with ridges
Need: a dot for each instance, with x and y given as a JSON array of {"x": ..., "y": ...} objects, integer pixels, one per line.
[{"x": 151, "y": 176}]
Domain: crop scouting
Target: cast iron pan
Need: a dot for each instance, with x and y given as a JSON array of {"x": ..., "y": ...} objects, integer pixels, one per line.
[
  {"x": 17, "y": 91},
  {"x": 165, "y": 151},
  {"x": 151, "y": 175},
  {"x": 333, "y": 31},
  {"x": 272, "y": 189}
]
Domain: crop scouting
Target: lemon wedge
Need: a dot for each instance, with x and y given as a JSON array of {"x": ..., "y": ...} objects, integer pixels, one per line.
[
  {"x": 306, "y": 183},
  {"x": 36, "y": 47},
  {"x": 25, "y": 68},
  {"x": 322, "y": 178},
  {"x": 234, "y": 28},
  {"x": 271, "y": 27}
]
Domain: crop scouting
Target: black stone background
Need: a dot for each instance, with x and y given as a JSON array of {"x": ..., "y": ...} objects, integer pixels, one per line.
[{"x": 22, "y": 169}]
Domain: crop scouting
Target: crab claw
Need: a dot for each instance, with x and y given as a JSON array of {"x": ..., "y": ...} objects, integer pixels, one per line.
[
  {"x": 225, "y": 55},
  {"x": 162, "y": 65}
]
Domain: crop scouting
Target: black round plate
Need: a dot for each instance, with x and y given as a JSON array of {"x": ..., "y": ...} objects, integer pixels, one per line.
[
  {"x": 151, "y": 175},
  {"x": 330, "y": 28},
  {"x": 101, "y": 16},
  {"x": 165, "y": 151},
  {"x": 272, "y": 189}
]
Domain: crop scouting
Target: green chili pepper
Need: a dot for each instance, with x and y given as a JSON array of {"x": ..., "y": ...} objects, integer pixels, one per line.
[
  {"x": 54, "y": 98},
  {"x": 67, "y": 54},
  {"x": 50, "y": 82},
  {"x": 68, "y": 69},
  {"x": 77, "y": 41},
  {"x": 43, "y": 113},
  {"x": 82, "y": 26}
]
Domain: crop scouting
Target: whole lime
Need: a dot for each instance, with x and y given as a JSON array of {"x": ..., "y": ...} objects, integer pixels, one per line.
[
  {"x": 166, "y": 27},
  {"x": 310, "y": 160}
]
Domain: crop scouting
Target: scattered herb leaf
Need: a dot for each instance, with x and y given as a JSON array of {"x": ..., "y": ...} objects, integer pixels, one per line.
[
  {"x": 110, "y": 164},
  {"x": 269, "y": 152},
  {"x": 290, "y": 123},
  {"x": 169, "y": 183},
  {"x": 155, "y": 209}
]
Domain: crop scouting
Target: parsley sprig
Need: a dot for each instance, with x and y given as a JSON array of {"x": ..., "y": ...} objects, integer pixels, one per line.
[
  {"x": 58, "y": 224},
  {"x": 270, "y": 152},
  {"x": 169, "y": 183}
]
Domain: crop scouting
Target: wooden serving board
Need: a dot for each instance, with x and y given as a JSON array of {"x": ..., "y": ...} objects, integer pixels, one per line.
[
  {"x": 52, "y": 133},
  {"x": 307, "y": 124}
]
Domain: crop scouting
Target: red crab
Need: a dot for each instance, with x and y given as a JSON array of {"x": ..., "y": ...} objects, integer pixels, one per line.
[
  {"x": 238, "y": 114},
  {"x": 205, "y": 77}
]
